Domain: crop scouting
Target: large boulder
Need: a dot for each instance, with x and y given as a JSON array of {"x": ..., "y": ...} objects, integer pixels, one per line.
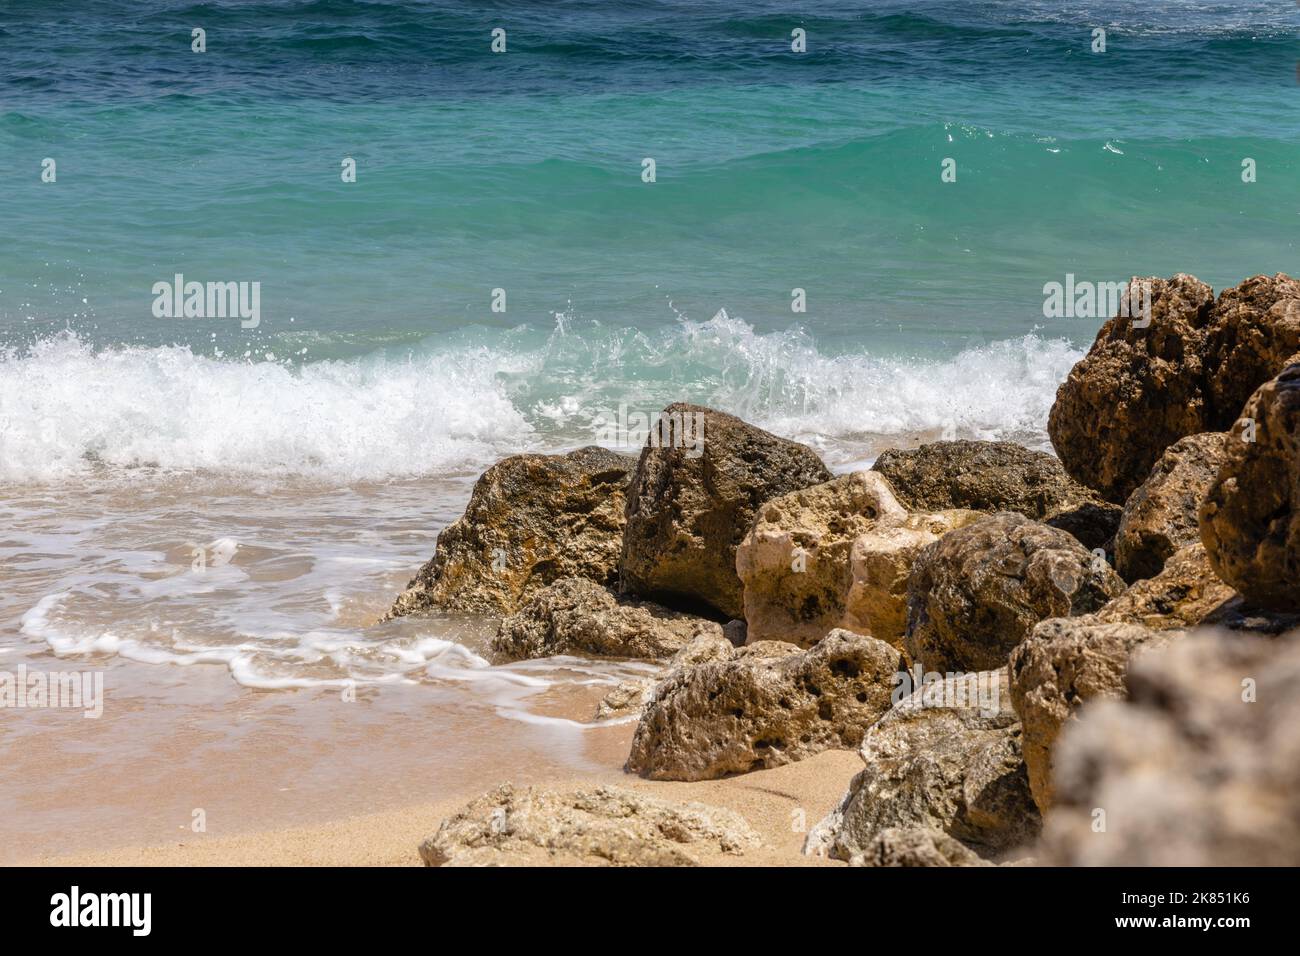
[
  {"x": 947, "y": 758},
  {"x": 1255, "y": 334},
  {"x": 765, "y": 705},
  {"x": 605, "y": 826},
  {"x": 980, "y": 476},
  {"x": 578, "y": 616},
  {"x": 978, "y": 591},
  {"x": 1142, "y": 387},
  {"x": 1137, "y": 391},
  {"x": 1250, "y": 518},
  {"x": 531, "y": 520},
  {"x": 1160, "y": 517},
  {"x": 1200, "y": 767},
  {"x": 794, "y": 562},
  {"x": 692, "y": 501},
  {"x": 1065, "y": 663},
  {"x": 880, "y": 564}
]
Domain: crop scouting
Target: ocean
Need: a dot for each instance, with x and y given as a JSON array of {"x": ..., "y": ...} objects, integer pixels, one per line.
[{"x": 847, "y": 245}]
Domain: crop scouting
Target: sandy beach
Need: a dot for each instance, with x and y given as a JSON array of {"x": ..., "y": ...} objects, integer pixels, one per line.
[{"x": 776, "y": 803}]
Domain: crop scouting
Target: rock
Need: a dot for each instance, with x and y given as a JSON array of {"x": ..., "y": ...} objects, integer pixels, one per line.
[
  {"x": 606, "y": 826},
  {"x": 980, "y": 476},
  {"x": 998, "y": 476},
  {"x": 1065, "y": 663},
  {"x": 626, "y": 699},
  {"x": 794, "y": 562},
  {"x": 1136, "y": 392},
  {"x": 704, "y": 647},
  {"x": 880, "y": 564},
  {"x": 978, "y": 591},
  {"x": 577, "y": 616},
  {"x": 1159, "y": 517},
  {"x": 629, "y": 696},
  {"x": 531, "y": 520},
  {"x": 1250, "y": 519},
  {"x": 1183, "y": 594},
  {"x": 736, "y": 631},
  {"x": 1200, "y": 767},
  {"x": 1255, "y": 334},
  {"x": 945, "y": 758},
  {"x": 691, "y": 502},
  {"x": 915, "y": 847},
  {"x": 766, "y": 705},
  {"x": 1139, "y": 390}
]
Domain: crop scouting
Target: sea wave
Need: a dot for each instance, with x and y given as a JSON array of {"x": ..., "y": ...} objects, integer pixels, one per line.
[{"x": 68, "y": 409}]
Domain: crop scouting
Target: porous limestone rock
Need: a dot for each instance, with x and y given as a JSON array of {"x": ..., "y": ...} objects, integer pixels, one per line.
[
  {"x": 765, "y": 705},
  {"x": 625, "y": 699},
  {"x": 1137, "y": 391},
  {"x": 629, "y": 696},
  {"x": 1142, "y": 387},
  {"x": 946, "y": 758},
  {"x": 1187, "y": 592},
  {"x": 1254, "y": 335},
  {"x": 1069, "y": 661},
  {"x": 1199, "y": 767},
  {"x": 1250, "y": 518},
  {"x": 1159, "y": 518},
  {"x": 1065, "y": 663},
  {"x": 980, "y": 476},
  {"x": 578, "y": 616},
  {"x": 605, "y": 826},
  {"x": 692, "y": 501},
  {"x": 916, "y": 847},
  {"x": 977, "y": 592},
  {"x": 880, "y": 563},
  {"x": 531, "y": 520},
  {"x": 794, "y": 562}
]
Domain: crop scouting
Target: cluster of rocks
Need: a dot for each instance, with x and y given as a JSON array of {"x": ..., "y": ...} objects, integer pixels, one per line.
[
  {"x": 1190, "y": 370},
  {"x": 1008, "y": 638},
  {"x": 946, "y": 759}
]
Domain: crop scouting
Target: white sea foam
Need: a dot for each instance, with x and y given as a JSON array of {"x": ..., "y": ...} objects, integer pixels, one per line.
[
  {"x": 327, "y": 659},
  {"x": 68, "y": 410},
  {"x": 782, "y": 381},
  {"x": 65, "y": 406}
]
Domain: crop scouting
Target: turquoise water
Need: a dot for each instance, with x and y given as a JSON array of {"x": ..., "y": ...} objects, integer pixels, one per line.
[{"x": 378, "y": 353}]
